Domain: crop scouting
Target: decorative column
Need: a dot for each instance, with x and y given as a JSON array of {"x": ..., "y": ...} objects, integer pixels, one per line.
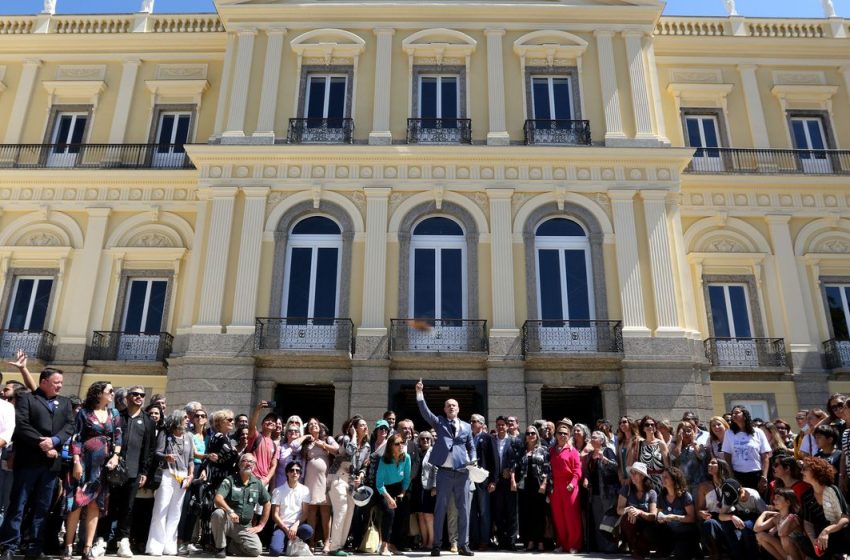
[
  {"x": 229, "y": 49},
  {"x": 658, "y": 106},
  {"x": 215, "y": 268},
  {"x": 381, "y": 133},
  {"x": 797, "y": 331},
  {"x": 628, "y": 263},
  {"x": 685, "y": 281},
  {"x": 241, "y": 85},
  {"x": 190, "y": 279},
  {"x": 640, "y": 91},
  {"x": 502, "y": 263},
  {"x": 610, "y": 91},
  {"x": 82, "y": 280},
  {"x": 23, "y": 95},
  {"x": 498, "y": 134},
  {"x": 755, "y": 110},
  {"x": 375, "y": 281},
  {"x": 661, "y": 261},
  {"x": 125, "y": 100},
  {"x": 271, "y": 81},
  {"x": 248, "y": 269}
]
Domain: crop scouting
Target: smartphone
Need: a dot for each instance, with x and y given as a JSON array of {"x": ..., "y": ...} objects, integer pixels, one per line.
[{"x": 271, "y": 404}]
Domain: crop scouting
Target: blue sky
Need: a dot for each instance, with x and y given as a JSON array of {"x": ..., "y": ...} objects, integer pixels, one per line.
[{"x": 756, "y": 8}]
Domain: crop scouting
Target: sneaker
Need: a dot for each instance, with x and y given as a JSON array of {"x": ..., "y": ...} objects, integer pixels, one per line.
[
  {"x": 183, "y": 549},
  {"x": 193, "y": 549},
  {"x": 124, "y": 550},
  {"x": 99, "y": 548},
  {"x": 453, "y": 548},
  {"x": 221, "y": 553}
]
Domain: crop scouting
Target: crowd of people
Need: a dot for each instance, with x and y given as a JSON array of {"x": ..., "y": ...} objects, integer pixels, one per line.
[{"x": 109, "y": 474}]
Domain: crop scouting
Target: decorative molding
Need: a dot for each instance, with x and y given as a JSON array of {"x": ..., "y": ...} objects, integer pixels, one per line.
[
  {"x": 181, "y": 71},
  {"x": 699, "y": 95},
  {"x": 806, "y": 96},
  {"x": 799, "y": 77},
  {"x": 74, "y": 90},
  {"x": 328, "y": 44},
  {"x": 439, "y": 44},
  {"x": 696, "y": 75},
  {"x": 41, "y": 238},
  {"x": 549, "y": 47},
  {"x": 173, "y": 90},
  {"x": 81, "y": 72}
]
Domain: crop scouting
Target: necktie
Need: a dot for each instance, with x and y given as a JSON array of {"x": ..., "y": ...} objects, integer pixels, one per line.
[{"x": 454, "y": 428}]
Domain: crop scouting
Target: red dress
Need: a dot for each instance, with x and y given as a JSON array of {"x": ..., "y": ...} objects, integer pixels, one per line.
[{"x": 566, "y": 507}]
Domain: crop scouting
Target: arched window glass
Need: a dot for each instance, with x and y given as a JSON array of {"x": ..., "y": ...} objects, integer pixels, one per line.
[
  {"x": 438, "y": 270},
  {"x": 563, "y": 271},
  {"x": 311, "y": 287}
]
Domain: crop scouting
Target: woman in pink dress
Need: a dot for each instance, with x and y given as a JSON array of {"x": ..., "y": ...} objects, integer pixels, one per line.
[{"x": 566, "y": 507}]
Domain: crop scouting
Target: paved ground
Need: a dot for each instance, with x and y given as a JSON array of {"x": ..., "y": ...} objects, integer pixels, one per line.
[{"x": 424, "y": 555}]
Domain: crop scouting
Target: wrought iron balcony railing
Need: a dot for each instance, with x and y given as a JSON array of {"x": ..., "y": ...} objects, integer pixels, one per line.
[
  {"x": 557, "y": 132},
  {"x": 438, "y": 335},
  {"x": 320, "y": 131},
  {"x": 572, "y": 337},
  {"x": 36, "y": 344},
  {"x": 836, "y": 353},
  {"x": 776, "y": 162},
  {"x": 304, "y": 333},
  {"x": 746, "y": 352},
  {"x": 439, "y": 131},
  {"x": 94, "y": 156},
  {"x": 130, "y": 346}
]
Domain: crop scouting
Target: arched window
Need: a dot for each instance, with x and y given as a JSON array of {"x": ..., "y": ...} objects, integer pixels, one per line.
[
  {"x": 563, "y": 271},
  {"x": 311, "y": 287},
  {"x": 438, "y": 270}
]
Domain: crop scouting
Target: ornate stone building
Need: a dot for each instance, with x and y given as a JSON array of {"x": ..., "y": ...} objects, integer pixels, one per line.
[{"x": 543, "y": 208}]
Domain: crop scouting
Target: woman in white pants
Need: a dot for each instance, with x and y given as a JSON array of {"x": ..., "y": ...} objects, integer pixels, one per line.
[
  {"x": 174, "y": 446},
  {"x": 346, "y": 472}
]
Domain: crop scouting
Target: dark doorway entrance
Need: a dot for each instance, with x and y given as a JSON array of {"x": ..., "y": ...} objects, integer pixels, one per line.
[
  {"x": 579, "y": 404},
  {"x": 306, "y": 401},
  {"x": 471, "y": 396}
]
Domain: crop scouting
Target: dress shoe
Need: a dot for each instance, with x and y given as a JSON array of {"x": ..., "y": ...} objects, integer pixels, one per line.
[
  {"x": 453, "y": 549},
  {"x": 464, "y": 551},
  {"x": 434, "y": 552}
]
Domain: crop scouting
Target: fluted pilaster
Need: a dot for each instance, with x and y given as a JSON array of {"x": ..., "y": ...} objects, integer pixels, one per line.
[
  {"x": 637, "y": 79},
  {"x": 610, "y": 91},
  {"x": 628, "y": 263},
  {"x": 661, "y": 262},
  {"x": 497, "y": 135},
  {"x": 241, "y": 84},
  {"x": 502, "y": 259},
  {"x": 375, "y": 282},
  {"x": 383, "y": 72},
  {"x": 248, "y": 270},
  {"x": 215, "y": 268},
  {"x": 271, "y": 81}
]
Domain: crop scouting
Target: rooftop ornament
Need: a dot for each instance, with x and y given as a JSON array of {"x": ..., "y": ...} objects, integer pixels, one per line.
[
  {"x": 147, "y": 7},
  {"x": 49, "y": 7},
  {"x": 730, "y": 8},
  {"x": 828, "y": 9}
]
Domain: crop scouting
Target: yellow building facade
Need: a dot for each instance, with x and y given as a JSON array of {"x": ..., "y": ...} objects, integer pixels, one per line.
[{"x": 564, "y": 208}]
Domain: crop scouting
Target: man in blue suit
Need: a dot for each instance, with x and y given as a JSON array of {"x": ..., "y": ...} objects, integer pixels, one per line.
[{"x": 453, "y": 450}]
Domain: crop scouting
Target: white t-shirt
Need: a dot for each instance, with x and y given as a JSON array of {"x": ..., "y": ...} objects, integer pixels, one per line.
[
  {"x": 290, "y": 500},
  {"x": 746, "y": 449},
  {"x": 809, "y": 445}
]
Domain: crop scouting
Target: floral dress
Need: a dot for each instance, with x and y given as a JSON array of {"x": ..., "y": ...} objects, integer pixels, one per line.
[{"x": 94, "y": 442}]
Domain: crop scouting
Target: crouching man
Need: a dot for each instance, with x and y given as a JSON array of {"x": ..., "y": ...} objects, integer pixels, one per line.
[
  {"x": 235, "y": 502},
  {"x": 289, "y": 508}
]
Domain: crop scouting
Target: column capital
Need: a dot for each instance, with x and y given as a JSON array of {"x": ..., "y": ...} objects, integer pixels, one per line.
[
  {"x": 377, "y": 192},
  {"x": 256, "y": 192},
  {"x": 622, "y": 194},
  {"x": 33, "y": 62},
  {"x": 777, "y": 218},
  {"x": 342, "y": 385},
  {"x": 223, "y": 192},
  {"x": 494, "y": 31},
  {"x": 747, "y": 67},
  {"x": 632, "y": 32},
  {"x": 244, "y": 30},
  {"x": 499, "y": 193},
  {"x": 604, "y": 33},
  {"x": 275, "y": 30},
  {"x": 383, "y": 31},
  {"x": 655, "y": 194},
  {"x": 99, "y": 212},
  {"x": 131, "y": 61}
]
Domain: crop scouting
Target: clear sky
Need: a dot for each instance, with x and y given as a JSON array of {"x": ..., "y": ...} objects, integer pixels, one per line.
[{"x": 756, "y": 8}]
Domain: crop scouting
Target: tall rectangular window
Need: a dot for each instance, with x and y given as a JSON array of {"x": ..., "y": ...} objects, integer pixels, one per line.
[
  {"x": 69, "y": 131},
  {"x": 837, "y": 298},
  {"x": 730, "y": 311},
  {"x": 439, "y": 98},
  {"x": 145, "y": 306},
  {"x": 551, "y": 99},
  {"x": 29, "y": 303},
  {"x": 809, "y": 134},
  {"x": 325, "y": 97}
]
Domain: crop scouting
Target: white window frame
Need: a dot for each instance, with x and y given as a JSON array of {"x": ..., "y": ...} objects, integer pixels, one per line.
[
  {"x": 439, "y": 78},
  {"x": 438, "y": 243},
  {"x": 550, "y": 83},
  {"x": 845, "y": 304},
  {"x": 31, "y": 303},
  {"x": 176, "y": 115},
  {"x": 326, "y": 103},
  {"x": 701, "y": 120},
  {"x": 561, "y": 244},
  {"x": 314, "y": 242},
  {"x": 751, "y": 404},
  {"x": 821, "y": 127},
  {"x": 75, "y": 115},
  {"x": 145, "y": 308},
  {"x": 728, "y": 301}
]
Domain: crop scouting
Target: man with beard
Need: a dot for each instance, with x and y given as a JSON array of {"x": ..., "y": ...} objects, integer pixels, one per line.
[{"x": 235, "y": 502}]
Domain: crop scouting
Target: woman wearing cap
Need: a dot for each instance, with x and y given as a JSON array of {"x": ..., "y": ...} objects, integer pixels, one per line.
[
  {"x": 392, "y": 481},
  {"x": 346, "y": 473},
  {"x": 637, "y": 504},
  {"x": 676, "y": 517},
  {"x": 317, "y": 448},
  {"x": 566, "y": 477},
  {"x": 532, "y": 479},
  {"x": 747, "y": 450},
  {"x": 428, "y": 499},
  {"x": 603, "y": 484}
]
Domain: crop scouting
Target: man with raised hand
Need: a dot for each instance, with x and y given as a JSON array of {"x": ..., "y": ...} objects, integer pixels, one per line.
[{"x": 453, "y": 450}]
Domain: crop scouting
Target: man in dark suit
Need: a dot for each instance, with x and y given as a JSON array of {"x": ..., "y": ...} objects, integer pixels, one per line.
[
  {"x": 453, "y": 450},
  {"x": 488, "y": 459},
  {"x": 43, "y": 422},
  {"x": 504, "y": 498}
]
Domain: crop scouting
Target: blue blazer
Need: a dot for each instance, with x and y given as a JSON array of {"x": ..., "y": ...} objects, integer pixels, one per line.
[{"x": 460, "y": 446}]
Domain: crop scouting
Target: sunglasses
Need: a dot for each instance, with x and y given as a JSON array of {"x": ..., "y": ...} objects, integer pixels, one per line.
[
  {"x": 649, "y": 425},
  {"x": 136, "y": 394},
  {"x": 200, "y": 416},
  {"x": 295, "y": 471},
  {"x": 230, "y": 419},
  {"x": 837, "y": 406},
  {"x": 109, "y": 392},
  {"x": 530, "y": 434},
  {"x": 563, "y": 434}
]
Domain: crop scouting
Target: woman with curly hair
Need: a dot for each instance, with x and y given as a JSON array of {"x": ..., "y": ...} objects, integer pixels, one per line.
[
  {"x": 824, "y": 512},
  {"x": 676, "y": 517},
  {"x": 652, "y": 451},
  {"x": 628, "y": 437},
  {"x": 747, "y": 450},
  {"x": 96, "y": 447}
]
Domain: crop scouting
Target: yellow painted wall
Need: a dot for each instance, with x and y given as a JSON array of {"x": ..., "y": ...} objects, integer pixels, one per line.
[{"x": 783, "y": 391}]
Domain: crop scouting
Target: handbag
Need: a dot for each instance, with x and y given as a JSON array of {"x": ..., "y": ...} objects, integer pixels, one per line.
[
  {"x": 118, "y": 476},
  {"x": 371, "y": 537}
]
